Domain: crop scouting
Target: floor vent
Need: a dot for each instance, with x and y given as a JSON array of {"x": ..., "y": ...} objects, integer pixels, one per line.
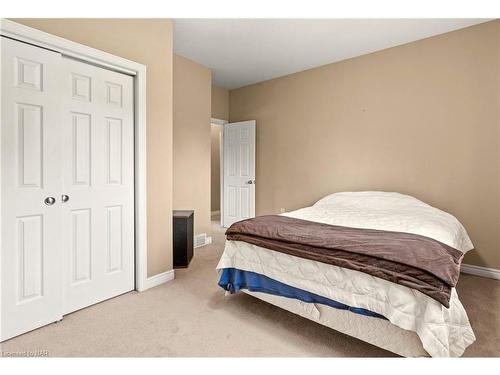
[{"x": 202, "y": 240}]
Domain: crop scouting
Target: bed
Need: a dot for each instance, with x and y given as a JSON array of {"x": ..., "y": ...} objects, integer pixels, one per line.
[{"x": 324, "y": 263}]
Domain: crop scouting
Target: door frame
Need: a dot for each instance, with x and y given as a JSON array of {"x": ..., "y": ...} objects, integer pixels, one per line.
[
  {"x": 106, "y": 60},
  {"x": 216, "y": 121}
]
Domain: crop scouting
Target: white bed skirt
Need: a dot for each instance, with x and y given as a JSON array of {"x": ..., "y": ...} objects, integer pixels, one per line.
[{"x": 375, "y": 331}]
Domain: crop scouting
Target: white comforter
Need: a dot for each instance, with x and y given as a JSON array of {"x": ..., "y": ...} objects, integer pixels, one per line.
[{"x": 443, "y": 332}]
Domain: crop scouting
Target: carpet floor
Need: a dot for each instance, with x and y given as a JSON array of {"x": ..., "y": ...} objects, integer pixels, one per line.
[{"x": 190, "y": 317}]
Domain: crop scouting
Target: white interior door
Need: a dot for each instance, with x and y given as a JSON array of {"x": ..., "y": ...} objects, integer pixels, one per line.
[
  {"x": 30, "y": 256},
  {"x": 98, "y": 183},
  {"x": 239, "y": 172}
]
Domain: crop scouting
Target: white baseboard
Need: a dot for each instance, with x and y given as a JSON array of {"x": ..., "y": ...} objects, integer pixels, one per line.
[
  {"x": 213, "y": 213},
  {"x": 491, "y": 273},
  {"x": 159, "y": 279}
]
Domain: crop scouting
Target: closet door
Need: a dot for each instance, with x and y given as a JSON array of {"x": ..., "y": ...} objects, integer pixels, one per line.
[
  {"x": 98, "y": 184},
  {"x": 30, "y": 256}
]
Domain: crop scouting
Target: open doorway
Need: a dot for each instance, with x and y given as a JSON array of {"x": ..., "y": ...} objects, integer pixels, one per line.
[{"x": 216, "y": 128}]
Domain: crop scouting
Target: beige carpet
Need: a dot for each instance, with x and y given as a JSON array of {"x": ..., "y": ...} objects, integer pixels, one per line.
[{"x": 191, "y": 317}]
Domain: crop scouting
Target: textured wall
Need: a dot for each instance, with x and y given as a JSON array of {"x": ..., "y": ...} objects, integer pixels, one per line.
[
  {"x": 220, "y": 103},
  {"x": 421, "y": 119},
  {"x": 192, "y": 92}
]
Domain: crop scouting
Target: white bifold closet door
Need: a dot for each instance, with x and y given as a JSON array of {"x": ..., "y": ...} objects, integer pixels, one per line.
[
  {"x": 98, "y": 181},
  {"x": 67, "y": 186}
]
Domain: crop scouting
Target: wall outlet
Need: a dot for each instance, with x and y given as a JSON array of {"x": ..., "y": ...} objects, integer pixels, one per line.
[{"x": 282, "y": 210}]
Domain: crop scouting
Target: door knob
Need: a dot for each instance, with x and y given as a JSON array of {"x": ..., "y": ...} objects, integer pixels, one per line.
[
  {"x": 64, "y": 198},
  {"x": 49, "y": 201},
  {"x": 250, "y": 182}
]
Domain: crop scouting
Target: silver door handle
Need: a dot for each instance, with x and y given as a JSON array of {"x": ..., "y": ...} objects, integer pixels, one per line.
[
  {"x": 250, "y": 182},
  {"x": 64, "y": 198},
  {"x": 49, "y": 201}
]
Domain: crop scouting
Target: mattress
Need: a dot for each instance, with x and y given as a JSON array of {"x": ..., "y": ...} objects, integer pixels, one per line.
[
  {"x": 233, "y": 280},
  {"x": 443, "y": 332}
]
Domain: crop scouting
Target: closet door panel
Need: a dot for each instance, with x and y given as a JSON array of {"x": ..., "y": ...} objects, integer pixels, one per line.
[
  {"x": 98, "y": 178},
  {"x": 30, "y": 256}
]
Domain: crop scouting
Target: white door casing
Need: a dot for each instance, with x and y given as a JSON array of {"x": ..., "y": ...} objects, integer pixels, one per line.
[
  {"x": 98, "y": 181},
  {"x": 30, "y": 135},
  {"x": 238, "y": 172}
]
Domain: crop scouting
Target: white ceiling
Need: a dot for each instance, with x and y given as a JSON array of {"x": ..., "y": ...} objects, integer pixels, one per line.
[{"x": 244, "y": 51}]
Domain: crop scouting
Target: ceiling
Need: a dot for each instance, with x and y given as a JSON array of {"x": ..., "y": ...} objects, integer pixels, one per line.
[{"x": 244, "y": 51}]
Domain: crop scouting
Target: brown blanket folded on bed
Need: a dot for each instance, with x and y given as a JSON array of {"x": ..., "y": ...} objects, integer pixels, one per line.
[{"x": 415, "y": 261}]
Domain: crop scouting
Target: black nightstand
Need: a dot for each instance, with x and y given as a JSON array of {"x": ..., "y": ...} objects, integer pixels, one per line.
[{"x": 183, "y": 222}]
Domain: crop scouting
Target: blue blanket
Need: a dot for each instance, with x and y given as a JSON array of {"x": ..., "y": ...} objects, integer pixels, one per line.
[{"x": 233, "y": 280}]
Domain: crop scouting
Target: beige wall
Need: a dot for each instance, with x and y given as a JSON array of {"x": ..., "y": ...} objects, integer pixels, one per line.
[
  {"x": 149, "y": 42},
  {"x": 215, "y": 131},
  {"x": 421, "y": 119},
  {"x": 220, "y": 103},
  {"x": 192, "y": 88}
]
